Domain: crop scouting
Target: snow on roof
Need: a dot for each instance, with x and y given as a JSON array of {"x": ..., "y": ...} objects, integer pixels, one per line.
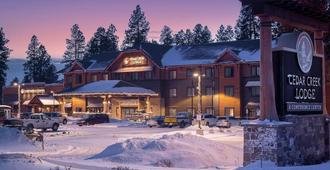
[
  {"x": 48, "y": 100},
  {"x": 108, "y": 87},
  {"x": 247, "y": 50},
  {"x": 252, "y": 84}
]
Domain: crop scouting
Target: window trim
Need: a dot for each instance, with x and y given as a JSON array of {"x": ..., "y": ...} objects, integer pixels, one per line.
[
  {"x": 172, "y": 76},
  {"x": 170, "y": 94}
]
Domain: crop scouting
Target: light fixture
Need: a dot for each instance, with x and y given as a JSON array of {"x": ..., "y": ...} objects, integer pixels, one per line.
[{"x": 196, "y": 74}]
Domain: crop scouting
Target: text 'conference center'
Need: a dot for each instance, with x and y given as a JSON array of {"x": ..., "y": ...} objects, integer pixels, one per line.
[{"x": 161, "y": 80}]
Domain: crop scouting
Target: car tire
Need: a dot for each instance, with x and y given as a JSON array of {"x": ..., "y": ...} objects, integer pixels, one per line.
[
  {"x": 207, "y": 124},
  {"x": 65, "y": 122},
  {"x": 55, "y": 127},
  {"x": 182, "y": 124},
  {"x": 29, "y": 128}
]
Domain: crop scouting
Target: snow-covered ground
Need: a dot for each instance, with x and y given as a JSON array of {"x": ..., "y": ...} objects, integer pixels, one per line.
[{"x": 132, "y": 145}]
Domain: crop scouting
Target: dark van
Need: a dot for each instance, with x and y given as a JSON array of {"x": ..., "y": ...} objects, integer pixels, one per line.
[{"x": 92, "y": 119}]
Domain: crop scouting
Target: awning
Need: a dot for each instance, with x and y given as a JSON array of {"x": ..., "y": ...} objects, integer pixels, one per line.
[
  {"x": 133, "y": 69},
  {"x": 26, "y": 102},
  {"x": 252, "y": 104},
  {"x": 252, "y": 84}
]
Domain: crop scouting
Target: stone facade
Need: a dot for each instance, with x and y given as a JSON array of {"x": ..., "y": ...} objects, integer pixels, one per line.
[{"x": 300, "y": 140}]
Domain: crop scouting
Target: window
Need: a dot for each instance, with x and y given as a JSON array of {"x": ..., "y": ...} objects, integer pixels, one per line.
[
  {"x": 172, "y": 92},
  {"x": 135, "y": 76},
  {"x": 229, "y": 72},
  {"x": 172, "y": 111},
  {"x": 94, "y": 77},
  {"x": 190, "y": 91},
  {"x": 79, "y": 79},
  {"x": 78, "y": 109},
  {"x": 255, "y": 71},
  {"x": 105, "y": 76},
  {"x": 189, "y": 73},
  {"x": 209, "y": 91},
  {"x": 210, "y": 110},
  {"x": 255, "y": 91},
  {"x": 209, "y": 72},
  {"x": 229, "y": 111},
  {"x": 191, "y": 110},
  {"x": 69, "y": 80},
  {"x": 172, "y": 75},
  {"x": 229, "y": 91},
  {"x": 148, "y": 75}
]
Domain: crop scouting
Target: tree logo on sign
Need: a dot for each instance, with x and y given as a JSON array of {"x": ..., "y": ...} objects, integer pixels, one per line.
[{"x": 304, "y": 52}]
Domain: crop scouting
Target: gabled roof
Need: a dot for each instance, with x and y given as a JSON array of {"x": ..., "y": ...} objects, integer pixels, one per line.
[
  {"x": 43, "y": 100},
  {"x": 246, "y": 50},
  {"x": 103, "y": 87},
  {"x": 100, "y": 61},
  {"x": 155, "y": 51}
]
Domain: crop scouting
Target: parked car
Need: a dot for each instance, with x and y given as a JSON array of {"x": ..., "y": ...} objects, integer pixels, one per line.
[
  {"x": 183, "y": 119},
  {"x": 206, "y": 120},
  {"x": 223, "y": 122},
  {"x": 156, "y": 121},
  {"x": 170, "y": 121},
  {"x": 25, "y": 115},
  {"x": 40, "y": 121},
  {"x": 57, "y": 116},
  {"x": 13, "y": 123},
  {"x": 92, "y": 119}
]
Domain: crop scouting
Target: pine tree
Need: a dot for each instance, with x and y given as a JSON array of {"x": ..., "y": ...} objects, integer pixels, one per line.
[
  {"x": 15, "y": 80},
  {"x": 189, "y": 37},
  {"x": 221, "y": 34},
  {"x": 96, "y": 44},
  {"x": 4, "y": 55},
  {"x": 166, "y": 37},
  {"x": 225, "y": 34},
  {"x": 112, "y": 38},
  {"x": 201, "y": 35},
  {"x": 138, "y": 28},
  {"x": 247, "y": 25},
  {"x": 75, "y": 46},
  {"x": 179, "y": 38},
  {"x": 38, "y": 67},
  {"x": 276, "y": 29}
]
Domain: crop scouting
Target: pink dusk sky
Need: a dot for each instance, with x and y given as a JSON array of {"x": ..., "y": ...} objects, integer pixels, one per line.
[{"x": 51, "y": 20}]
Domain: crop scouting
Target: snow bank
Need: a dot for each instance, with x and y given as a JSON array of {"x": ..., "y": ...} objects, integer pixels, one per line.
[
  {"x": 13, "y": 140},
  {"x": 177, "y": 150}
]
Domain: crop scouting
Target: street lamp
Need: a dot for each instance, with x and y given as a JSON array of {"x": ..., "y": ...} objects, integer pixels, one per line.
[
  {"x": 199, "y": 92},
  {"x": 19, "y": 99}
]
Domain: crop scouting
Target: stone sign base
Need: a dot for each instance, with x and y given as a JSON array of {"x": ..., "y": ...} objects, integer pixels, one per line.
[{"x": 296, "y": 140}]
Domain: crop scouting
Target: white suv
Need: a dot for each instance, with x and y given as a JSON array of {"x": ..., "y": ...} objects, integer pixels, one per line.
[{"x": 40, "y": 121}]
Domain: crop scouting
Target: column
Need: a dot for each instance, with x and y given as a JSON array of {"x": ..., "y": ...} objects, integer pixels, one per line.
[
  {"x": 62, "y": 105},
  {"x": 105, "y": 105},
  {"x": 148, "y": 104},
  {"x": 319, "y": 50},
  {"x": 267, "y": 96}
]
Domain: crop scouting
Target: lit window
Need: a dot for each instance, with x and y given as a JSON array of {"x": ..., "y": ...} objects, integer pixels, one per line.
[
  {"x": 94, "y": 77},
  {"x": 135, "y": 76},
  {"x": 172, "y": 75},
  {"x": 229, "y": 91},
  {"x": 105, "y": 76},
  {"x": 209, "y": 91},
  {"x": 255, "y": 91},
  {"x": 172, "y": 92},
  {"x": 172, "y": 111},
  {"x": 229, "y": 111},
  {"x": 190, "y": 91},
  {"x": 210, "y": 110},
  {"x": 255, "y": 71},
  {"x": 229, "y": 72}
]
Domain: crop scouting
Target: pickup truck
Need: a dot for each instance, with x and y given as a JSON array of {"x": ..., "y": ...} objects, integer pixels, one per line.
[
  {"x": 40, "y": 121},
  {"x": 182, "y": 119}
]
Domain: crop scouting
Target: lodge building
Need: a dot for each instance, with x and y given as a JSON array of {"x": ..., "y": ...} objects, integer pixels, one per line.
[{"x": 160, "y": 80}]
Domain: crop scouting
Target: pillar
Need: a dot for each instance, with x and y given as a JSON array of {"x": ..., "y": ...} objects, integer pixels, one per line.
[
  {"x": 319, "y": 51},
  {"x": 62, "y": 105},
  {"x": 106, "y": 104},
  {"x": 267, "y": 96},
  {"x": 148, "y": 104}
]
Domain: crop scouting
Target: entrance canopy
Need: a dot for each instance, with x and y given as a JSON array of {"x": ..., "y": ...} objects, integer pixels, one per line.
[
  {"x": 108, "y": 87},
  {"x": 44, "y": 101}
]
